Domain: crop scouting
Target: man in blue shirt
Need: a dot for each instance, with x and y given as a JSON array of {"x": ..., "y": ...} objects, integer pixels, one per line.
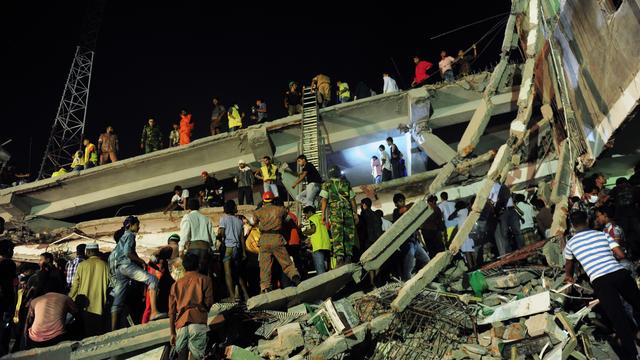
[
  {"x": 598, "y": 254},
  {"x": 231, "y": 231}
]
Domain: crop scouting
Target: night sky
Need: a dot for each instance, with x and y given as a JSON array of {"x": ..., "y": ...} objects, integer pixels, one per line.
[{"x": 153, "y": 60}]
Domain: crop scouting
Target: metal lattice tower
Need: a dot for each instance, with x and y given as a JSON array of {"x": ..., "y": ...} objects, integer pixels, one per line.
[{"x": 68, "y": 127}]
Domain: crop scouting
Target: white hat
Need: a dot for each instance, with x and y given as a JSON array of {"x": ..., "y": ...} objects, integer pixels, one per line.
[
  {"x": 240, "y": 162},
  {"x": 92, "y": 246}
]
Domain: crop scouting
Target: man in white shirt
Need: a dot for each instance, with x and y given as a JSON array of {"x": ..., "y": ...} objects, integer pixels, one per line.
[
  {"x": 197, "y": 236},
  {"x": 445, "y": 67},
  {"x": 389, "y": 84},
  {"x": 447, "y": 207},
  {"x": 386, "y": 163},
  {"x": 179, "y": 200}
]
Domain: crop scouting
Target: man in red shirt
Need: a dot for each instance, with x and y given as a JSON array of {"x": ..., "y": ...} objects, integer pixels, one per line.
[{"x": 422, "y": 66}]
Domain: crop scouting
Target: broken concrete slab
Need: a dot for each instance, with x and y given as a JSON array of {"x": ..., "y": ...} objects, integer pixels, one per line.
[
  {"x": 391, "y": 240},
  {"x": 515, "y": 331},
  {"x": 237, "y": 353},
  {"x": 528, "y": 306},
  {"x": 289, "y": 339},
  {"x": 419, "y": 281},
  {"x": 510, "y": 280},
  {"x": 318, "y": 287}
]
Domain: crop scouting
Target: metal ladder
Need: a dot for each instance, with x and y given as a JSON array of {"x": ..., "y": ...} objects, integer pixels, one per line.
[{"x": 310, "y": 137}]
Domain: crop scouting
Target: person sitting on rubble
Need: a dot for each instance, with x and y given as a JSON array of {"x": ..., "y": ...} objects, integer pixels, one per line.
[
  {"x": 77, "y": 163},
  {"x": 179, "y": 200},
  {"x": 45, "y": 323},
  {"x": 213, "y": 195},
  {"x": 189, "y": 302},
  {"x": 269, "y": 220},
  {"x": 125, "y": 265},
  {"x": 599, "y": 256}
]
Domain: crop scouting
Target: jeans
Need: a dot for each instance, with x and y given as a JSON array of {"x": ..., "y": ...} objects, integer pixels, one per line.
[
  {"x": 319, "y": 257},
  {"x": 308, "y": 196},
  {"x": 194, "y": 338},
  {"x": 377, "y": 179},
  {"x": 245, "y": 195},
  {"x": 448, "y": 76},
  {"x": 271, "y": 187},
  {"x": 124, "y": 273},
  {"x": 408, "y": 256}
]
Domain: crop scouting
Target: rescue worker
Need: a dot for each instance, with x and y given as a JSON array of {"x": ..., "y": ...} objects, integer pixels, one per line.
[
  {"x": 186, "y": 127},
  {"x": 90, "y": 154},
  {"x": 174, "y": 136},
  {"x": 337, "y": 195},
  {"x": 293, "y": 99},
  {"x": 151, "y": 139},
  {"x": 268, "y": 173},
  {"x": 321, "y": 84},
  {"x": 343, "y": 92},
  {"x": 108, "y": 146},
  {"x": 235, "y": 119},
  {"x": 77, "y": 163},
  {"x": 269, "y": 219},
  {"x": 212, "y": 188}
]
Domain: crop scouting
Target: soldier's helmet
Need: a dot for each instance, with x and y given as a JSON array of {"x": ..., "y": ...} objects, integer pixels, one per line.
[{"x": 334, "y": 172}]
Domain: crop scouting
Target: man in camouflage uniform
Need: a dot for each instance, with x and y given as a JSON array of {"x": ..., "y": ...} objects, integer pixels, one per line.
[
  {"x": 269, "y": 219},
  {"x": 151, "y": 139},
  {"x": 336, "y": 193}
]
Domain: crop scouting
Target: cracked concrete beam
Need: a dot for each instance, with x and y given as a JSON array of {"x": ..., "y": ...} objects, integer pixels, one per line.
[
  {"x": 441, "y": 179},
  {"x": 338, "y": 344},
  {"x": 260, "y": 143},
  {"x": 419, "y": 281},
  {"x": 318, "y": 287},
  {"x": 381, "y": 250},
  {"x": 476, "y": 127},
  {"x": 437, "y": 150}
]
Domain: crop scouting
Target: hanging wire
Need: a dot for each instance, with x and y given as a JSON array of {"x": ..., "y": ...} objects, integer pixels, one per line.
[{"x": 468, "y": 25}]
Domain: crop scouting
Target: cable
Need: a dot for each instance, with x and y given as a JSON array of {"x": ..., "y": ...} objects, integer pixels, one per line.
[{"x": 467, "y": 25}]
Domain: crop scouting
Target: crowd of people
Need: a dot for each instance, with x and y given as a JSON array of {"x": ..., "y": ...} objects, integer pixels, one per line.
[{"x": 232, "y": 118}]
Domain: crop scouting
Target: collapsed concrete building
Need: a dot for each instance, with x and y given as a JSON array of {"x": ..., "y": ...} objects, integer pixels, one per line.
[{"x": 578, "y": 87}]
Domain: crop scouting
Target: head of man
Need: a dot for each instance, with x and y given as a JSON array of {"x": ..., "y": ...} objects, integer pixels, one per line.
[
  {"x": 80, "y": 250},
  {"x": 151, "y": 122},
  {"x": 216, "y": 101},
  {"x": 267, "y": 197},
  {"x": 389, "y": 141},
  {"x": 242, "y": 164},
  {"x": 45, "y": 258},
  {"x": 399, "y": 200},
  {"x": 518, "y": 198},
  {"x": 204, "y": 175},
  {"x": 579, "y": 220},
  {"x": 432, "y": 200},
  {"x": 381, "y": 148},
  {"x": 604, "y": 215},
  {"x": 258, "y": 102},
  {"x": 308, "y": 211},
  {"x": 230, "y": 207},
  {"x": 301, "y": 160},
  {"x": 92, "y": 249},
  {"x": 109, "y": 129},
  {"x": 374, "y": 157},
  {"x": 293, "y": 86},
  {"x": 183, "y": 112},
  {"x": 266, "y": 161},
  {"x": 365, "y": 203},
  {"x": 86, "y": 141},
  {"x": 385, "y": 74},
  {"x": 175, "y": 126},
  {"x": 444, "y": 196},
  {"x": 177, "y": 190},
  {"x": 460, "y": 53},
  {"x": 194, "y": 204},
  {"x": 379, "y": 213},
  {"x": 443, "y": 54},
  {"x": 416, "y": 59},
  {"x": 600, "y": 180},
  {"x": 6, "y": 248},
  {"x": 190, "y": 262}
]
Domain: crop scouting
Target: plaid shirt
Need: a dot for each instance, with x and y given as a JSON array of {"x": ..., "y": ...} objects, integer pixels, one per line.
[{"x": 71, "y": 268}]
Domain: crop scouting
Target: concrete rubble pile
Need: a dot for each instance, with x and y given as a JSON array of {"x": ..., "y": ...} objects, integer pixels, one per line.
[{"x": 515, "y": 309}]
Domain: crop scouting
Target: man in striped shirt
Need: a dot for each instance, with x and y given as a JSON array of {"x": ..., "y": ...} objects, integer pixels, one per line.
[{"x": 598, "y": 254}]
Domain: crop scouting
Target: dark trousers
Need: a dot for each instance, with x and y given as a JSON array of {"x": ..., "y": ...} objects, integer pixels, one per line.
[
  {"x": 396, "y": 168},
  {"x": 245, "y": 195},
  {"x": 608, "y": 289},
  {"x": 386, "y": 175},
  {"x": 204, "y": 260}
]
